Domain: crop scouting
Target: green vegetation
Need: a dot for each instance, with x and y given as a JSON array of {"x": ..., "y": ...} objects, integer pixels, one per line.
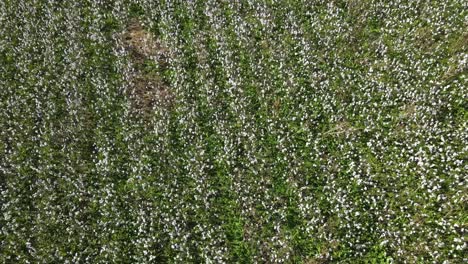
[{"x": 233, "y": 131}]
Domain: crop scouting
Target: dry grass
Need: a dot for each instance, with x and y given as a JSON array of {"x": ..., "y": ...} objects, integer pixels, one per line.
[
  {"x": 341, "y": 128},
  {"x": 148, "y": 88},
  {"x": 141, "y": 42}
]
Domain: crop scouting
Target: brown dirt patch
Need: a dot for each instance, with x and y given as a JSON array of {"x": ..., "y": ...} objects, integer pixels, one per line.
[{"x": 149, "y": 58}]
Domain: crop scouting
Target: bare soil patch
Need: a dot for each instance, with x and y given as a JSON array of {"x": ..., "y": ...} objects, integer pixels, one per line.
[{"x": 149, "y": 58}]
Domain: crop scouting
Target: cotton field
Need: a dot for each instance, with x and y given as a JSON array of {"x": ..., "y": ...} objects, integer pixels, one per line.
[{"x": 246, "y": 131}]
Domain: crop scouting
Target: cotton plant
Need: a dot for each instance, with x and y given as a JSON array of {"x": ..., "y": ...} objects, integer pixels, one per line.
[{"x": 281, "y": 132}]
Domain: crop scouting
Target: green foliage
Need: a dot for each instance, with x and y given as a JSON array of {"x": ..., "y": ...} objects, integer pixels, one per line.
[{"x": 233, "y": 131}]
